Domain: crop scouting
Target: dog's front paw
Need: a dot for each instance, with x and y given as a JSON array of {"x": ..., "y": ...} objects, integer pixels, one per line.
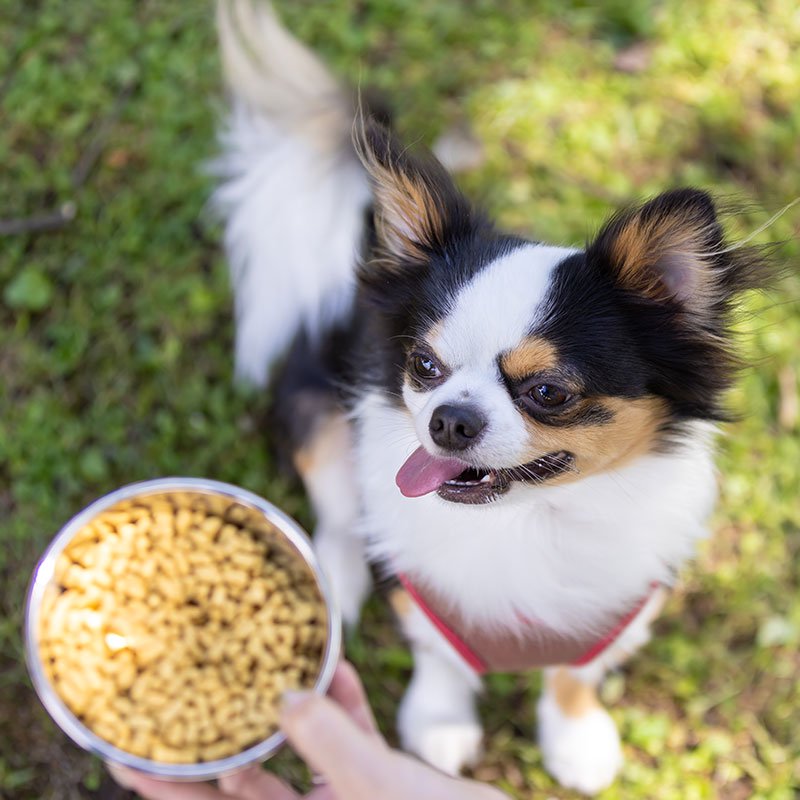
[
  {"x": 448, "y": 746},
  {"x": 581, "y": 753},
  {"x": 449, "y": 742}
]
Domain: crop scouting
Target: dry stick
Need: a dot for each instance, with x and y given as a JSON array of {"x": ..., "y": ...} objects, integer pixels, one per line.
[
  {"x": 54, "y": 220},
  {"x": 39, "y": 222}
]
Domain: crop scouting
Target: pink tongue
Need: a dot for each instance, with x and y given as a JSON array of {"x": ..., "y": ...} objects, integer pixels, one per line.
[{"x": 423, "y": 473}]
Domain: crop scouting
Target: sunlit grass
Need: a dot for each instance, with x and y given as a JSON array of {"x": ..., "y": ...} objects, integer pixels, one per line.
[{"x": 116, "y": 330}]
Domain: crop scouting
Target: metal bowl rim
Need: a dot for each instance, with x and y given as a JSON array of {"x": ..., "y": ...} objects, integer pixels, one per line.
[{"x": 58, "y": 709}]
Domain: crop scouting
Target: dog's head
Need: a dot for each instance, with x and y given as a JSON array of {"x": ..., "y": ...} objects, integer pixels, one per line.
[{"x": 521, "y": 363}]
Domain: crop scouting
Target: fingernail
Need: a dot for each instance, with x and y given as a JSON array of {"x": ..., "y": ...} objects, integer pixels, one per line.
[
  {"x": 292, "y": 698},
  {"x": 122, "y": 775}
]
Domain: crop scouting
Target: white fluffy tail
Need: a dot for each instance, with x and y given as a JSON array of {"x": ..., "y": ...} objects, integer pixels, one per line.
[{"x": 293, "y": 192}]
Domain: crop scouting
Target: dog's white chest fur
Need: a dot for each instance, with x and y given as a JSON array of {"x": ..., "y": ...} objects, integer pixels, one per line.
[{"x": 567, "y": 556}]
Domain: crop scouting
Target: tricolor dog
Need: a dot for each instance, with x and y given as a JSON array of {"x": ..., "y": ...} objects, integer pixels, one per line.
[{"x": 520, "y": 433}]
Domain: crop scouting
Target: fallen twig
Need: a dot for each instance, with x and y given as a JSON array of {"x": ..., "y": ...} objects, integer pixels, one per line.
[{"x": 47, "y": 221}]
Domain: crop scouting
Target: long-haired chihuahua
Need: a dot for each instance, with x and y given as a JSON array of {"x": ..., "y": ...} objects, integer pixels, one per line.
[{"x": 520, "y": 434}]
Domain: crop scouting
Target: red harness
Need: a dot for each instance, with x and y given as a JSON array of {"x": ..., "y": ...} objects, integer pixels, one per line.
[{"x": 480, "y": 665}]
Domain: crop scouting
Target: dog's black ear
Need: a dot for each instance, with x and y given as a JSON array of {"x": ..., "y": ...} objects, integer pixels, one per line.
[
  {"x": 668, "y": 249},
  {"x": 418, "y": 208},
  {"x": 672, "y": 249}
]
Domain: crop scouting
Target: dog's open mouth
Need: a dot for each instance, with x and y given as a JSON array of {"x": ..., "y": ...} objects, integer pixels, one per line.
[{"x": 457, "y": 482}]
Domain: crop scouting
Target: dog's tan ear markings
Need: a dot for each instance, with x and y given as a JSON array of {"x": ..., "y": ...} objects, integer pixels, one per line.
[
  {"x": 668, "y": 249},
  {"x": 415, "y": 198}
]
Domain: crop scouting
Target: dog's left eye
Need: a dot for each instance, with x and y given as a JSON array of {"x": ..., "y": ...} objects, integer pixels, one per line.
[
  {"x": 425, "y": 367},
  {"x": 548, "y": 395}
]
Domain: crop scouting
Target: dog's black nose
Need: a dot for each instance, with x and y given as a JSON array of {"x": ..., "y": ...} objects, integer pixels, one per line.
[{"x": 456, "y": 427}]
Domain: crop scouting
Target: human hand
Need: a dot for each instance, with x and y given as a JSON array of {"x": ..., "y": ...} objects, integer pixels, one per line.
[{"x": 338, "y": 739}]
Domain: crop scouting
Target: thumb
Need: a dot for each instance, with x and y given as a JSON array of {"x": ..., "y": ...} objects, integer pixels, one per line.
[{"x": 355, "y": 763}]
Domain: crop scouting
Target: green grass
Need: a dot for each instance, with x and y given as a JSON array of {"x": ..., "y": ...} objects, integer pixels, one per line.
[{"x": 116, "y": 329}]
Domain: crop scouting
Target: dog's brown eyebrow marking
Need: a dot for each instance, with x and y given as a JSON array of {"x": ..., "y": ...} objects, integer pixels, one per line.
[{"x": 532, "y": 355}]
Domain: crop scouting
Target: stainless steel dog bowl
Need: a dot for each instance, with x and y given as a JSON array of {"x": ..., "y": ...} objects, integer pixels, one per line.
[{"x": 259, "y": 515}]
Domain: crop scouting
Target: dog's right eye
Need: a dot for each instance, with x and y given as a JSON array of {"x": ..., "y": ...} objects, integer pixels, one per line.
[{"x": 425, "y": 367}]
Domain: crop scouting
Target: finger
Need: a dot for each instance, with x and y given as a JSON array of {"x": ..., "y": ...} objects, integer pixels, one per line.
[
  {"x": 152, "y": 789},
  {"x": 348, "y": 691},
  {"x": 331, "y": 743},
  {"x": 325, "y": 792},
  {"x": 254, "y": 783}
]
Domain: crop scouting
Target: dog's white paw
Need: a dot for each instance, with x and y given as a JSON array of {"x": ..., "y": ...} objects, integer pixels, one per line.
[
  {"x": 448, "y": 741},
  {"x": 342, "y": 560},
  {"x": 582, "y": 753},
  {"x": 448, "y": 746}
]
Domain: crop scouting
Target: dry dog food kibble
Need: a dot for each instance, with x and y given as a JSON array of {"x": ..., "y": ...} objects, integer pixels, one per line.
[{"x": 171, "y": 630}]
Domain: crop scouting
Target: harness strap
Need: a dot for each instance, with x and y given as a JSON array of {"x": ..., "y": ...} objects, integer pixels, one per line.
[
  {"x": 480, "y": 666},
  {"x": 474, "y": 661}
]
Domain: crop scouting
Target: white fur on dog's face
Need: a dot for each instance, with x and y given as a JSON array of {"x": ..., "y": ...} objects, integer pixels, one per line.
[{"x": 491, "y": 315}]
